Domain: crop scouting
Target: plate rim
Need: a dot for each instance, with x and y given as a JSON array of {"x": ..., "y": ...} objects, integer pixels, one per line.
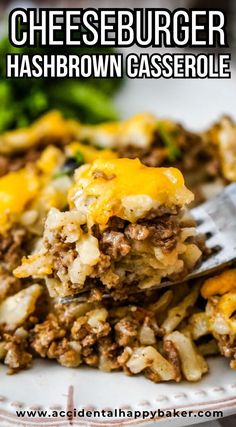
[{"x": 227, "y": 405}]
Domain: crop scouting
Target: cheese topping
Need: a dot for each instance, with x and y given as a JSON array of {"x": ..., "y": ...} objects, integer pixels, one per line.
[
  {"x": 219, "y": 284},
  {"x": 50, "y": 160},
  {"x": 221, "y": 314},
  {"x": 121, "y": 187},
  {"x": 138, "y": 130},
  {"x": 16, "y": 190},
  {"x": 90, "y": 153}
]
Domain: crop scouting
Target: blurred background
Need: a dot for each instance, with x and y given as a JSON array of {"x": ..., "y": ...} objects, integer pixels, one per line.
[{"x": 196, "y": 103}]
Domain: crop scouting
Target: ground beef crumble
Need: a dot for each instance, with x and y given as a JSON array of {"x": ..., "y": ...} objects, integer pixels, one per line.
[
  {"x": 126, "y": 331},
  {"x": 14, "y": 163},
  {"x": 172, "y": 355},
  {"x": 102, "y": 335},
  {"x": 12, "y": 247},
  {"x": 114, "y": 244},
  {"x": 194, "y": 152},
  {"x": 72, "y": 340},
  {"x": 227, "y": 347},
  {"x": 9, "y": 285},
  {"x": 17, "y": 351}
]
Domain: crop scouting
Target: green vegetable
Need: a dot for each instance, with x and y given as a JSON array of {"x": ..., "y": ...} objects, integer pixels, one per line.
[
  {"x": 60, "y": 174},
  {"x": 23, "y": 100},
  {"x": 79, "y": 158},
  {"x": 91, "y": 102},
  {"x": 70, "y": 165},
  {"x": 168, "y": 139}
]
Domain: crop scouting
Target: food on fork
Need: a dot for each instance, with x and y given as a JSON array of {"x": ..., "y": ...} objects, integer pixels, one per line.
[{"x": 125, "y": 230}]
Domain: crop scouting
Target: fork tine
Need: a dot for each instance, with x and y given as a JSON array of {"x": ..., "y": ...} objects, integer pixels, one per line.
[{"x": 218, "y": 217}]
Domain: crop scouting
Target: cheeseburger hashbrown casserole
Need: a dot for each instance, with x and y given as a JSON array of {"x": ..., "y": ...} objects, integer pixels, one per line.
[{"x": 102, "y": 209}]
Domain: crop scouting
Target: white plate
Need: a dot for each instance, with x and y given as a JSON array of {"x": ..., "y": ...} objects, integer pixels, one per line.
[{"x": 49, "y": 386}]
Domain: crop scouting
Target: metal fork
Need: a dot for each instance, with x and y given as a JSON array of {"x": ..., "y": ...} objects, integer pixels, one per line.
[{"x": 216, "y": 219}]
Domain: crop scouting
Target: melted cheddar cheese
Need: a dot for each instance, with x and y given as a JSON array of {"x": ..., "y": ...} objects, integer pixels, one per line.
[
  {"x": 16, "y": 190},
  {"x": 90, "y": 153},
  {"x": 123, "y": 187},
  {"x": 52, "y": 126},
  {"x": 219, "y": 284},
  {"x": 138, "y": 130},
  {"x": 50, "y": 160},
  {"x": 222, "y": 319}
]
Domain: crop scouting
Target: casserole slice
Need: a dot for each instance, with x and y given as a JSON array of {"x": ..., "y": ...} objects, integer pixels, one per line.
[{"x": 126, "y": 229}]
